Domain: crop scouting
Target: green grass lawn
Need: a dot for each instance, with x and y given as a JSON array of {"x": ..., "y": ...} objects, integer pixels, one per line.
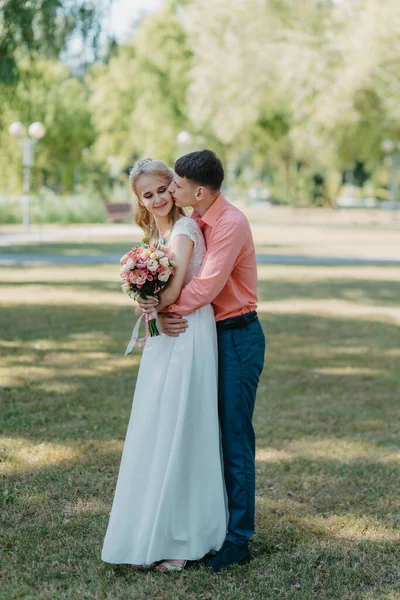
[
  {"x": 73, "y": 248},
  {"x": 327, "y": 422}
]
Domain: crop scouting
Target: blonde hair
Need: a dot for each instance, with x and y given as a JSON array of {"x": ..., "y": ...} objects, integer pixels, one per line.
[{"x": 143, "y": 218}]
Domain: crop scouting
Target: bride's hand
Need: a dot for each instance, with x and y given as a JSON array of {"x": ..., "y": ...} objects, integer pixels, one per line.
[{"x": 147, "y": 304}]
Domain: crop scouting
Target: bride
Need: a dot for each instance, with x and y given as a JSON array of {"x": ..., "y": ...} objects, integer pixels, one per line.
[{"x": 169, "y": 502}]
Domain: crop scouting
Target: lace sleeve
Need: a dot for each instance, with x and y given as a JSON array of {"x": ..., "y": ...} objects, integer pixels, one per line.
[{"x": 189, "y": 227}]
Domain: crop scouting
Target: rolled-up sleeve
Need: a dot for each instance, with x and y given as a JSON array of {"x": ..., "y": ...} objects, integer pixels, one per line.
[{"x": 225, "y": 246}]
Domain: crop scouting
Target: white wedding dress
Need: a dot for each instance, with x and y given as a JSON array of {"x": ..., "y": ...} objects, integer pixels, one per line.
[{"x": 170, "y": 499}]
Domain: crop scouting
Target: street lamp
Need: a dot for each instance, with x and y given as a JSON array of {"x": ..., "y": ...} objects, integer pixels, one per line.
[
  {"x": 184, "y": 141},
  {"x": 35, "y": 133},
  {"x": 184, "y": 138},
  {"x": 392, "y": 149}
]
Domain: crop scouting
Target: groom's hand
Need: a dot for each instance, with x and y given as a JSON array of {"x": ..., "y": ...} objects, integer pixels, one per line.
[{"x": 172, "y": 324}]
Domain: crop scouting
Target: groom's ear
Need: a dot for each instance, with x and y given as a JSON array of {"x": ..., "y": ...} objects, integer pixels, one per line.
[{"x": 200, "y": 193}]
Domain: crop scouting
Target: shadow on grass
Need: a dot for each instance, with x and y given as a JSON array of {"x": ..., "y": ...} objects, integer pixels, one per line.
[
  {"x": 364, "y": 292},
  {"x": 73, "y": 248},
  {"x": 329, "y": 384},
  {"x": 323, "y": 376},
  {"x": 94, "y": 247},
  {"x": 358, "y": 291},
  {"x": 84, "y": 285},
  {"x": 55, "y": 520}
]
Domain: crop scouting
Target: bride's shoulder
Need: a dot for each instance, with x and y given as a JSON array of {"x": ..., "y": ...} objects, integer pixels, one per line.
[
  {"x": 187, "y": 226},
  {"x": 185, "y": 220}
]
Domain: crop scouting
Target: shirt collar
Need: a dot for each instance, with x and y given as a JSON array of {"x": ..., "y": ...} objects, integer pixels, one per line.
[{"x": 211, "y": 215}]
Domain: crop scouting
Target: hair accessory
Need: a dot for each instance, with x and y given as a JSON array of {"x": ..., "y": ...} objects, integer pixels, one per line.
[{"x": 143, "y": 162}]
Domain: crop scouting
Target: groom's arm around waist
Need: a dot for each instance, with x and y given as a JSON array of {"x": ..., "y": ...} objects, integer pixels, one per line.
[{"x": 227, "y": 242}]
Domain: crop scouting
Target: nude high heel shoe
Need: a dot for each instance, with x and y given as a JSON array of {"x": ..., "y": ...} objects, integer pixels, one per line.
[{"x": 170, "y": 566}]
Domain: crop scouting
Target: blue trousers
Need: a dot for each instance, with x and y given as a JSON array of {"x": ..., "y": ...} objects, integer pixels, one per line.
[{"x": 240, "y": 363}]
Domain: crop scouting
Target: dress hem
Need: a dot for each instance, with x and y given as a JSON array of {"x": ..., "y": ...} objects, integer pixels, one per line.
[{"x": 132, "y": 562}]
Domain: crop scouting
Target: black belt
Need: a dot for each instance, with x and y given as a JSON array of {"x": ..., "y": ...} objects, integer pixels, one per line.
[{"x": 239, "y": 322}]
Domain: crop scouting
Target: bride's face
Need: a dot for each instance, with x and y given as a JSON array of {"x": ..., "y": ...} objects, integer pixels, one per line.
[{"x": 154, "y": 195}]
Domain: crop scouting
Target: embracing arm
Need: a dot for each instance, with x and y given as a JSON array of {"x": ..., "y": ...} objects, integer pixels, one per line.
[
  {"x": 217, "y": 266},
  {"x": 182, "y": 248}
]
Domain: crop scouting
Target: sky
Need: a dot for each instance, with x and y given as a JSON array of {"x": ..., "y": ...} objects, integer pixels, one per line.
[
  {"x": 117, "y": 24},
  {"x": 124, "y": 12}
]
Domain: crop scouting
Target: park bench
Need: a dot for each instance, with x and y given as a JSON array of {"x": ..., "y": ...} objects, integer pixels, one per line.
[{"x": 117, "y": 212}]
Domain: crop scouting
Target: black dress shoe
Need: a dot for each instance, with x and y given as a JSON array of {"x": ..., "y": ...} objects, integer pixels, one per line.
[{"x": 229, "y": 555}]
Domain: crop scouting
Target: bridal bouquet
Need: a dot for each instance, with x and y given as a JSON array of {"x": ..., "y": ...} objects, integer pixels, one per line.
[{"x": 146, "y": 271}]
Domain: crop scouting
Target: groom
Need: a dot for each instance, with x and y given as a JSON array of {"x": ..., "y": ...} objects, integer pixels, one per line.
[{"x": 227, "y": 280}]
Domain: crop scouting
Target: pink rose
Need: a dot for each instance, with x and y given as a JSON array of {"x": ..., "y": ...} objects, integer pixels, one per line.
[
  {"x": 131, "y": 277},
  {"x": 141, "y": 277},
  {"x": 141, "y": 262},
  {"x": 130, "y": 264}
]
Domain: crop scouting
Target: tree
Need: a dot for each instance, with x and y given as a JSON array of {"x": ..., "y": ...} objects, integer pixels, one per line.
[
  {"x": 329, "y": 72},
  {"x": 47, "y": 92},
  {"x": 251, "y": 61},
  {"x": 45, "y": 27},
  {"x": 139, "y": 98}
]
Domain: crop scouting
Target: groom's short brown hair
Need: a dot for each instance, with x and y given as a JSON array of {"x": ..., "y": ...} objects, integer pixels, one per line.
[{"x": 203, "y": 167}]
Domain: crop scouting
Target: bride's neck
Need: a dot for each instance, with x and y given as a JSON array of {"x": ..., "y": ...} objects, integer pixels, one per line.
[{"x": 163, "y": 225}]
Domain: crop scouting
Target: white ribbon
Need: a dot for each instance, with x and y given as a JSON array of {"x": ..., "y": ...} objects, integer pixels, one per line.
[{"x": 135, "y": 337}]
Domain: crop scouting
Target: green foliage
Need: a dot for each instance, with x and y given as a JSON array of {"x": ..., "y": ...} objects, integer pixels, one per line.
[
  {"x": 268, "y": 85},
  {"x": 48, "y": 207},
  {"x": 47, "y": 92},
  {"x": 139, "y": 98},
  {"x": 43, "y": 26},
  {"x": 330, "y": 68}
]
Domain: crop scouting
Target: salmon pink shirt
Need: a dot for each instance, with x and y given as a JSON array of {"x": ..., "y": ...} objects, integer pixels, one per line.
[{"x": 228, "y": 275}]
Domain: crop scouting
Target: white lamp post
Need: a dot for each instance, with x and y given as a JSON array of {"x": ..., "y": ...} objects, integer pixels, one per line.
[
  {"x": 35, "y": 133},
  {"x": 392, "y": 149},
  {"x": 184, "y": 138}
]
